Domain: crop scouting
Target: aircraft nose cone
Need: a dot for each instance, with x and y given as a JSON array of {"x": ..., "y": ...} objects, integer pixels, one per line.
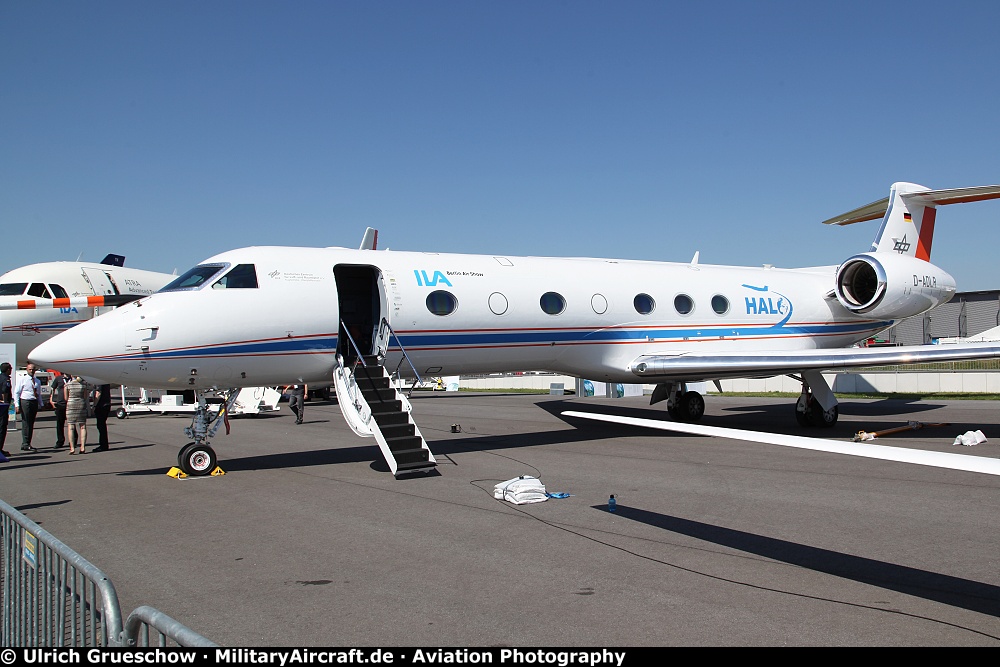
[{"x": 78, "y": 351}]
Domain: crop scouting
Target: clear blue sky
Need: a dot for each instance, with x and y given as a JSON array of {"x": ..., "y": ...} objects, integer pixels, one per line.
[{"x": 171, "y": 131}]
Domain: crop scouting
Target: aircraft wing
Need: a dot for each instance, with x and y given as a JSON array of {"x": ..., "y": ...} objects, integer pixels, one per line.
[
  {"x": 980, "y": 464},
  {"x": 694, "y": 366}
]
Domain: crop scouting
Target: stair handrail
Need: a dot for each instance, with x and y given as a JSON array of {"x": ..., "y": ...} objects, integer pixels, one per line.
[
  {"x": 352, "y": 387},
  {"x": 406, "y": 357},
  {"x": 353, "y": 344}
]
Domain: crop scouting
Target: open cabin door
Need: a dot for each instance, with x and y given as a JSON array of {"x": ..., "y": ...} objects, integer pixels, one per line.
[
  {"x": 371, "y": 403},
  {"x": 100, "y": 281},
  {"x": 362, "y": 304}
]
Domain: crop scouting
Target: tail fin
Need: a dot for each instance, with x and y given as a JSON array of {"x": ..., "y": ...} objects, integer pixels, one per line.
[
  {"x": 909, "y": 214},
  {"x": 113, "y": 260},
  {"x": 370, "y": 239}
]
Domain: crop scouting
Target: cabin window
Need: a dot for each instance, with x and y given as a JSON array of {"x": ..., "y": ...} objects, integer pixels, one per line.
[
  {"x": 683, "y": 304},
  {"x": 243, "y": 276},
  {"x": 194, "y": 278},
  {"x": 39, "y": 291},
  {"x": 58, "y": 292},
  {"x": 599, "y": 303},
  {"x": 720, "y": 304},
  {"x": 12, "y": 289},
  {"x": 441, "y": 302},
  {"x": 498, "y": 303},
  {"x": 644, "y": 304},
  {"x": 552, "y": 303}
]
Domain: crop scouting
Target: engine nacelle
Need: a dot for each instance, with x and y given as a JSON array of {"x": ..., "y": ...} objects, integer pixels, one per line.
[{"x": 886, "y": 286}]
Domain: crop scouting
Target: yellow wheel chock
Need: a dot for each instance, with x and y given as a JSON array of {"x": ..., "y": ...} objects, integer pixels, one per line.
[{"x": 177, "y": 473}]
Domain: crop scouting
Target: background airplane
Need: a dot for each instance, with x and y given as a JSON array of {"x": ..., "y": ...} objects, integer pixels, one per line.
[
  {"x": 367, "y": 317},
  {"x": 41, "y": 300}
]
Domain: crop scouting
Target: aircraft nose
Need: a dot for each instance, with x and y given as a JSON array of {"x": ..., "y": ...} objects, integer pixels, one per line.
[{"x": 81, "y": 350}]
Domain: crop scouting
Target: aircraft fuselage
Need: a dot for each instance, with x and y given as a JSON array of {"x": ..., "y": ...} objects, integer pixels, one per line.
[{"x": 453, "y": 314}]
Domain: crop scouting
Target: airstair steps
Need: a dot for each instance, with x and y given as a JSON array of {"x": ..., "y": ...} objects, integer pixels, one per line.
[{"x": 398, "y": 436}]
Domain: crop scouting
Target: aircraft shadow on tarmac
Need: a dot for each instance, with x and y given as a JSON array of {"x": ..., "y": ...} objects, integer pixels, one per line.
[
  {"x": 768, "y": 417},
  {"x": 952, "y": 591},
  {"x": 762, "y": 417}
]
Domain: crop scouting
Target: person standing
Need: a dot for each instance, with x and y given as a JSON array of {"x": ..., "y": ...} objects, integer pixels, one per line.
[
  {"x": 27, "y": 395},
  {"x": 102, "y": 408},
  {"x": 57, "y": 399},
  {"x": 6, "y": 391},
  {"x": 297, "y": 401},
  {"x": 77, "y": 407}
]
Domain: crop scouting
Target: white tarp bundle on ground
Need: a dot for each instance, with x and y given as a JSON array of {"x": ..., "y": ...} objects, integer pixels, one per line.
[
  {"x": 521, "y": 490},
  {"x": 970, "y": 438}
]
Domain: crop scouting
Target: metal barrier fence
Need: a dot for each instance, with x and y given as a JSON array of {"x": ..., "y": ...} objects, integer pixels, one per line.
[{"x": 53, "y": 597}]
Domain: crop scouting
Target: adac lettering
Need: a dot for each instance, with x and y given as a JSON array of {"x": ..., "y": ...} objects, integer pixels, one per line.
[{"x": 425, "y": 281}]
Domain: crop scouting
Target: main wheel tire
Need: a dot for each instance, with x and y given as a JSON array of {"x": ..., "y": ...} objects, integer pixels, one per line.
[
  {"x": 804, "y": 418},
  {"x": 692, "y": 407},
  {"x": 121, "y": 413},
  {"x": 198, "y": 460},
  {"x": 824, "y": 418}
]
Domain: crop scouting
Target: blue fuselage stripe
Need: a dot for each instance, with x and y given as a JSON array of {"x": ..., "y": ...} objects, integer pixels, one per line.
[{"x": 450, "y": 340}]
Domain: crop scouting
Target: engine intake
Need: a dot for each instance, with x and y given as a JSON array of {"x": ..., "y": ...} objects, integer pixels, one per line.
[{"x": 887, "y": 286}]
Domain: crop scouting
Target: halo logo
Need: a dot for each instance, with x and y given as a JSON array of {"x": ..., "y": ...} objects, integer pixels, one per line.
[{"x": 768, "y": 305}]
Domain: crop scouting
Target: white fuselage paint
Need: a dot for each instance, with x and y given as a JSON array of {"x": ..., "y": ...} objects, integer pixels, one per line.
[{"x": 286, "y": 330}]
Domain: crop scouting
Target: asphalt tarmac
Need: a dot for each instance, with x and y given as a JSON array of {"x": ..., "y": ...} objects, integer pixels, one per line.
[{"x": 308, "y": 540}]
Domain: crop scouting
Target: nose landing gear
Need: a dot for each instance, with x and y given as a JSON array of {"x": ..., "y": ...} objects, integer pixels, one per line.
[{"x": 197, "y": 458}]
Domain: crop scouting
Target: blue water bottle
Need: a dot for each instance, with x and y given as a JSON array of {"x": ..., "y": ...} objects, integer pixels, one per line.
[{"x": 612, "y": 503}]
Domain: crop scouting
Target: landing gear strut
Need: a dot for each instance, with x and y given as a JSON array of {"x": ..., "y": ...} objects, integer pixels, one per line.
[{"x": 197, "y": 458}]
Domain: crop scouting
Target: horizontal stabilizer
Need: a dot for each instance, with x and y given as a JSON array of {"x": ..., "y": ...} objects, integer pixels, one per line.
[{"x": 925, "y": 198}]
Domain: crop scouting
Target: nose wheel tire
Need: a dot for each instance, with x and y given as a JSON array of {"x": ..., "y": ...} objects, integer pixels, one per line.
[{"x": 197, "y": 460}]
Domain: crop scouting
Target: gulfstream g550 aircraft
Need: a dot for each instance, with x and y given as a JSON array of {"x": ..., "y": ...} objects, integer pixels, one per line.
[{"x": 363, "y": 316}]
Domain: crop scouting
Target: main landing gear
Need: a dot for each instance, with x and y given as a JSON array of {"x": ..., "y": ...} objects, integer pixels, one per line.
[
  {"x": 682, "y": 405},
  {"x": 197, "y": 458},
  {"x": 809, "y": 412},
  {"x": 817, "y": 405}
]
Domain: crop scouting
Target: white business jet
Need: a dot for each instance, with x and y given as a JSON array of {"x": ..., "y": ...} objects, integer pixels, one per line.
[
  {"x": 42, "y": 300},
  {"x": 369, "y": 317}
]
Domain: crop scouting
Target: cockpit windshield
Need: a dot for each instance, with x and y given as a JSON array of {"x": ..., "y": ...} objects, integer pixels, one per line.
[
  {"x": 195, "y": 278},
  {"x": 12, "y": 289},
  {"x": 39, "y": 290},
  {"x": 243, "y": 276}
]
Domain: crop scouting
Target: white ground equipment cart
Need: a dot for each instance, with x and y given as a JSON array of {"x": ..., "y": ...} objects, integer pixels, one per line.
[{"x": 251, "y": 401}]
